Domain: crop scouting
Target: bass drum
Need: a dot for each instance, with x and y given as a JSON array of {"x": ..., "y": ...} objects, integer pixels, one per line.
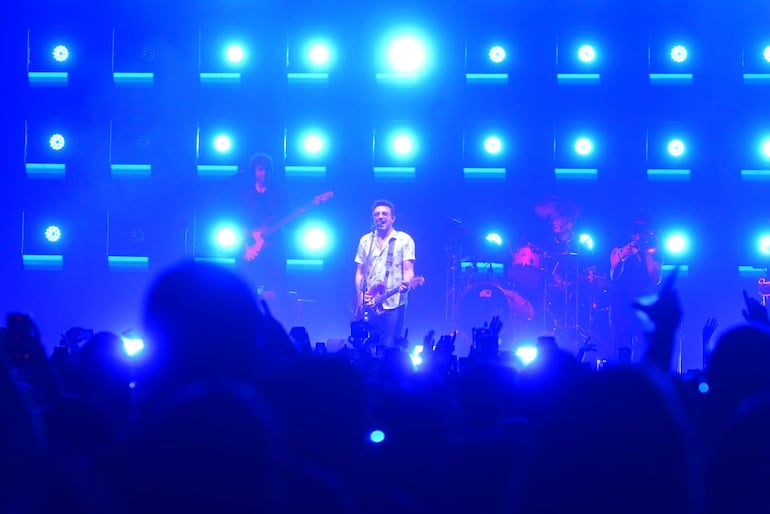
[
  {"x": 479, "y": 303},
  {"x": 526, "y": 269}
]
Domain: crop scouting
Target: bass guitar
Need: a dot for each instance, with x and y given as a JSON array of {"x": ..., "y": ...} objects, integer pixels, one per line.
[
  {"x": 259, "y": 234},
  {"x": 367, "y": 309}
]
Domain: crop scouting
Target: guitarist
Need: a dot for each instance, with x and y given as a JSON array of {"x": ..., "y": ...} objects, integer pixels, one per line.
[
  {"x": 261, "y": 202},
  {"x": 385, "y": 260}
]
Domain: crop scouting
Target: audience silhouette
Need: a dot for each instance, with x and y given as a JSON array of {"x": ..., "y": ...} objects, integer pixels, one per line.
[{"x": 224, "y": 411}]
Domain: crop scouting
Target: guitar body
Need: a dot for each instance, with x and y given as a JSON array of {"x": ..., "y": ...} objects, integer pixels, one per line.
[{"x": 369, "y": 305}]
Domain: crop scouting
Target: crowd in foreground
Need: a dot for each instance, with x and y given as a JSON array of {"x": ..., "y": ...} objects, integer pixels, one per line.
[{"x": 224, "y": 411}]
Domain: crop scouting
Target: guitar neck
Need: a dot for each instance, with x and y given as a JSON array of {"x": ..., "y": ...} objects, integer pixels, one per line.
[
  {"x": 279, "y": 224},
  {"x": 387, "y": 294},
  {"x": 299, "y": 212}
]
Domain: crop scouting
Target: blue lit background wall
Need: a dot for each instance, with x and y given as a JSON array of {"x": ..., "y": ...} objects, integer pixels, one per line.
[{"x": 148, "y": 89}]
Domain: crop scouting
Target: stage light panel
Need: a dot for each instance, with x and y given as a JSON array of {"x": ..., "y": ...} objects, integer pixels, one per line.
[
  {"x": 133, "y": 146},
  {"x": 405, "y": 56},
  {"x": 586, "y": 54},
  {"x": 47, "y": 148},
  {"x": 486, "y": 150},
  {"x": 52, "y": 233},
  {"x": 763, "y": 244},
  {"x": 396, "y": 150},
  {"x": 319, "y": 55},
  {"x": 756, "y": 165},
  {"x": 235, "y": 54},
  {"x": 488, "y": 57},
  {"x": 45, "y": 233},
  {"x": 755, "y": 59},
  {"x": 497, "y": 54},
  {"x": 131, "y": 236},
  {"x": 402, "y": 144},
  {"x": 222, "y": 143},
  {"x": 576, "y": 153},
  {"x": 306, "y": 148},
  {"x": 51, "y": 55},
  {"x": 217, "y": 236},
  {"x": 668, "y": 149},
  {"x": 670, "y": 60},
  {"x": 313, "y": 144},
  {"x": 678, "y": 53},
  {"x": 677, "y": 243},
  {"x": 493, "y": 145},
  {"x": 216, "y": 150},
  {"x": 578, "y": 56},
  {"x": 56, "y": 142},
  {"x": 583, "y": 146},
  {"x": 60, "y": 53},
  {"x": 135, "y": 56},
  {"x": 675, "y": 148},
  {"x": 314, "y": 239},
  {"x": 228, "y": 237},
  {"x": 225, "y": 52},
  {"x": 309, "y": 59}
]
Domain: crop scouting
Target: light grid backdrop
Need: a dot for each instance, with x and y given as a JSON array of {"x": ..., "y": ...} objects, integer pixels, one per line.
[{"x": 147, "y": 88}]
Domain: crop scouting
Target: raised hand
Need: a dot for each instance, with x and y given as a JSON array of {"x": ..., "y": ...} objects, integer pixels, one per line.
[
  {"x": 708, "y": 329},
  {"x": 495, "y": 325},
  {"x": 429, "y": 341},
  {"x": 666, "y": 311},
  {"x": 754, "y": 312}
]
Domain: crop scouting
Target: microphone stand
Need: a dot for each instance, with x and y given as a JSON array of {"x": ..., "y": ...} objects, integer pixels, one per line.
[{"x": 365, "y": 287}]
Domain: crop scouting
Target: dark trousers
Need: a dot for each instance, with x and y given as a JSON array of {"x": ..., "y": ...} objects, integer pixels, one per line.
[{"x": 387, "y": 329}]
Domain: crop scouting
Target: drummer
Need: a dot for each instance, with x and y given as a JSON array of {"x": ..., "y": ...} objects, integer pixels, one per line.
[{"x": 561, "y": 246}]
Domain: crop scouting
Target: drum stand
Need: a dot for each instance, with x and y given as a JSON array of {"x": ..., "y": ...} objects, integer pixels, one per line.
[
  {"x": 763, "y": 288},
  {"x": 452, "y": 266}
]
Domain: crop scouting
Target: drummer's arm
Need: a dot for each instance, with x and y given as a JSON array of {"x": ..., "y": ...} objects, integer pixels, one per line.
[{"x": 616, "y": 264}]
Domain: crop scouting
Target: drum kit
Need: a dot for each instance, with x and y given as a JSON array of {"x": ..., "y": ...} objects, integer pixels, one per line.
[{"x": 540, "y": 293}]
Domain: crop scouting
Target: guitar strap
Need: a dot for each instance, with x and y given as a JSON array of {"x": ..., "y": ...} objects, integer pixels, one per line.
[{"x": 389, "y": 262}]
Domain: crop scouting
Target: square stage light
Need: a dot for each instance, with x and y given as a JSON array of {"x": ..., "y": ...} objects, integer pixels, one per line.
[
  {"x": 133, "y": 145},
  {"x": 397, "y": 149},
  {"x": 670, "y": 151},
  {"x": 488, "y": 56},
  {"x": 487, "y": 150},
  {"x": 580, "y": 56},
  {"x": 51, "y": 54},
  {"x": 310, "y": 55},
  {"x": 755, "y": 59},
  {"x": 46, "y": 236},
  {"x": 135, "y": 56},
  {"x": 225, "y": 52},
  {"x": 47, "y": 147},
  {"x": 218, "y": 149},
  {"x": 307, "y": 147},
  {"x": 577, "y": 152},
  {"x": 672, "y": 57}
]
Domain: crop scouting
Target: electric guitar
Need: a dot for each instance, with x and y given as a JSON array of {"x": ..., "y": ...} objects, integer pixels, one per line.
[
  {"x": 259, "y": 234},
  {"x": 365, "y": 310}
]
